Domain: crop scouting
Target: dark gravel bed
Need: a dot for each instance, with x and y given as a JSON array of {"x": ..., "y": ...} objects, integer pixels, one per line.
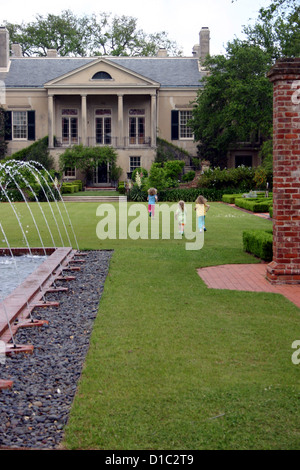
[{"x": 35, "y": 410}]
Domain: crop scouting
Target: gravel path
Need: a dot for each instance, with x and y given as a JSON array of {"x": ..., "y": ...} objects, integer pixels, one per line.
[{"x": 35, "y": 410}]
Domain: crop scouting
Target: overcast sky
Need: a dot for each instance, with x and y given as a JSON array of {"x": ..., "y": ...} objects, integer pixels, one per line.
[{"x": 181, "y": 19}]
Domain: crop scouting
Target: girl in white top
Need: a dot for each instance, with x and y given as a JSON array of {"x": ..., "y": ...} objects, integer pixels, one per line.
[{"x": 180, "y": 215}]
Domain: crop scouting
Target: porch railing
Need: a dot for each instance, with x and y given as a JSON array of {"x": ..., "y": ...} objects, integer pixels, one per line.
[{"x": 125, "y": 142}]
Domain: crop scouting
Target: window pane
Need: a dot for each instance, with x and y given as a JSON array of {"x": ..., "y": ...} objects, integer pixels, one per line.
[
  {"x": 70, "y": 172},
  {"x": 69, "y": 112},
  {"x": 141, "y": 124},
  {"x": 102, "y": 112},
  {"x": 107, "y": 130},
  {"x": 20, "y": 125},
  {"x": 65, "y": 130},
  {"x": 135, "y": 162},
  {"x": 99, "y": 131},
  {"x": 136, "y": 112},
  {"x": 103, "y": 130},
  {"x": 185, "y": 131},
  {"x": 69, "y": 130},
  {"x": 132, "y": 130}
]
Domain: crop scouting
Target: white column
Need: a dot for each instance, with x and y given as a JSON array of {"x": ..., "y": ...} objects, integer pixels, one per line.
[
  {"x": 120, "y": 121},
  {"x": 50, "y": 121},
  {"x": 83, "y": 120},
  {"x": 153, "y": 120}
]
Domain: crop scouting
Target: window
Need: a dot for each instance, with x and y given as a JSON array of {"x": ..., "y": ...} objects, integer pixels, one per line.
[
  {"x": 135, "y": 162},
  {"x": 19, "y": 124},
  {"x": 245, "y": 160},
  {"x": 69, "y": 126},
  {"x": 101, "y": 76},
  {"x": 185, "y": 132},
  {"x": 70, "y": 172},
  {"x": 103, "y": 126},
  {"x": 179, "y": 127},
  {"x": 136, "y": 126}
]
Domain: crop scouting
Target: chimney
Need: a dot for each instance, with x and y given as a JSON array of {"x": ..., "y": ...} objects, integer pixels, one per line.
[
  {"x": 4, "y": 48},
  {"x": 51, "y": 53},
  {"x": 204, "y": 42},
  {"x": 162, "y": 52},
  {"x": 201, "y": 50},
  {"x": 16, "y": 50}
]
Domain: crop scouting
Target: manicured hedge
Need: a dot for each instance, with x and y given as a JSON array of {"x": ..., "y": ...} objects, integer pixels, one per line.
[
  {"x": 271, "y": 211},
  {"x": 78, "y": 183},
  {"x": 230, "y": 198},
  {"x": 190, "y": 194},
  {"x": 68, "y": 188},
  {"x": 254, "y": 205},
  {"x": 259, "y": 243}
]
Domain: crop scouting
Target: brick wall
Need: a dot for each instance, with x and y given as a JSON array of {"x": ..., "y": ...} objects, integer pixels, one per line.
[{"x": 285, "y": 267}]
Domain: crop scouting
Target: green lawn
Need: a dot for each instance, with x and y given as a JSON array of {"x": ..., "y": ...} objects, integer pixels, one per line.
[{"x": 175, "y": 365}]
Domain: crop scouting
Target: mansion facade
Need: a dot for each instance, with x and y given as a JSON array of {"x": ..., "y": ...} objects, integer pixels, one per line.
[{"x": 123, "y": 102}]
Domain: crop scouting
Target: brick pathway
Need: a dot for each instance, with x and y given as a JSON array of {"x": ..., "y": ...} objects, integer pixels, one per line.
[{"x": 246, "y": 277}]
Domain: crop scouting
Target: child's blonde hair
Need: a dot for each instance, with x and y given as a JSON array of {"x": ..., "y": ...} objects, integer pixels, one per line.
[
  {"x": 201, "y": 200},
  {"x": 181, "y": 204},
  {"x": 152, "y": 191}
]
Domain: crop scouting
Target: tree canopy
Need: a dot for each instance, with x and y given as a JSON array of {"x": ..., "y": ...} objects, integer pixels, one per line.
[
  {"x": 277, "y": 29},
  {"x": 235, "y": 104},
  {"x": 97, "y": 34}
]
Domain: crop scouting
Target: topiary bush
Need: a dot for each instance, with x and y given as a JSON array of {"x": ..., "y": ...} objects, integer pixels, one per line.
[
  {"x": 230, "y": 198},
  {"x": 254, "y": 205},
  {"x": 121, "y": 187},
  {"x": 259, "y": 243}
]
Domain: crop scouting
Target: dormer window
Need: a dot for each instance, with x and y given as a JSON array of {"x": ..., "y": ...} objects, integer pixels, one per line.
[{"x": 101, "y": 76}]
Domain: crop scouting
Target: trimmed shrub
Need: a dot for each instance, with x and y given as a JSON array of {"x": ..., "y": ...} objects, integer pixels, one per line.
[
  {"x": 230, "y": 198},
  {"x": 189, "y": 194},
  {"x": 121, "y": 187},
  {"x": 79, "y": 184},
  {"x": 68, "y": 188},
  {"x": 271, "y": 211},
  {"x": 259, "y": 243},
  {"x": 254, "y": 205}
]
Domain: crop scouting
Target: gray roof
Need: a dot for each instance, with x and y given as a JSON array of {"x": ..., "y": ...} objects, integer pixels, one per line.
[{"x": 168, "y": 72}]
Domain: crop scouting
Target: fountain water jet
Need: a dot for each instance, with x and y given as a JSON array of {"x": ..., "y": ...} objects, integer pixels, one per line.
[{"x": 12, "y": 308}]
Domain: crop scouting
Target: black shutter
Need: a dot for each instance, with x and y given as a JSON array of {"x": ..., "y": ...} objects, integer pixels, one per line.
[
  {"x": 31, "y": 125},
  {"x": 174, "y": 125},
  {"x": 8, "y": 129}
]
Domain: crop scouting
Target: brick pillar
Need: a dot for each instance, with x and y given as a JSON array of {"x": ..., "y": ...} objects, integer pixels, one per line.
[{"x": 285, "y": 266}]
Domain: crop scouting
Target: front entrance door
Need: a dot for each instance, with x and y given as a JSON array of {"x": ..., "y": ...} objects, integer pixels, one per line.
[{"x": 101, "y": 177}]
